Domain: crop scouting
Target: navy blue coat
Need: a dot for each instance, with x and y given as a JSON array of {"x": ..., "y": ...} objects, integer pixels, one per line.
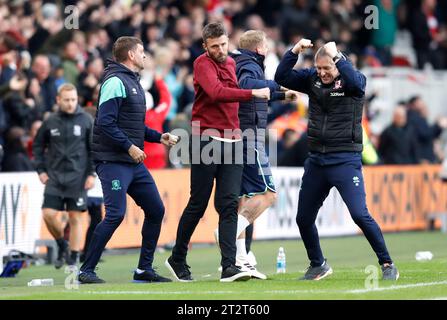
[{"x": 250, "y": 75}]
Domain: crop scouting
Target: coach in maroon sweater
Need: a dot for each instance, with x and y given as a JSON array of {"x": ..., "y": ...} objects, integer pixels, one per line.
[{"x": 214, "y": 144}]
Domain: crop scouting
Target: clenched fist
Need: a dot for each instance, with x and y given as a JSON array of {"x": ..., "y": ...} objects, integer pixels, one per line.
[
  {"x": 302, "y": 45},
  {"x": 169, "y": 139},
  {"x": 331, "y": 49},
  {"x": 137, "y": 154},
  {"x": 292, "y": 95}
]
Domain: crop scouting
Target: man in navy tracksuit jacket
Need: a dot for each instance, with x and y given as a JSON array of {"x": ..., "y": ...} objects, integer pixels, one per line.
[
  {"x": 118, "y": 141},
  {"x": 257, "y": 188},
  {"x": 336, "y": 96}
]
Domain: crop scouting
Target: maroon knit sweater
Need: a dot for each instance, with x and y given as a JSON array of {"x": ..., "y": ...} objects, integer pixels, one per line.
[{"x": 217, "y": 96}]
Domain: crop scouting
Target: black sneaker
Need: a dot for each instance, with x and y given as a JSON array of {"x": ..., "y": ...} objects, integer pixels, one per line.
[
  {"x": 389, "y": 272},
  {"x": 62, "y": 256},
  {"x": 317, "y": 273},
  {"x": 180, "y": 271},
  {"x": 234, "y": 273},
  {"x": 89, "y": 277},
  {"x": 149, "y": 276}
]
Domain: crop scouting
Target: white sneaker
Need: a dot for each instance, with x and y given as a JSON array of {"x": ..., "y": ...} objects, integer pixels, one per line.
[
  {"x": 251, "y": 258},
  {"x": 243, "y": 263}
]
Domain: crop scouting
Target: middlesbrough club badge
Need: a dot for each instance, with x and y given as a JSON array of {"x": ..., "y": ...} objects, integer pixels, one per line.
[{"x": 337, "y": 85}]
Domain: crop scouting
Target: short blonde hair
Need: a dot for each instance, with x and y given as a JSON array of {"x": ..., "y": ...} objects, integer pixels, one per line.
[
  {"x": 66, "y": 87},
  {"x": 251, "y": 39}
]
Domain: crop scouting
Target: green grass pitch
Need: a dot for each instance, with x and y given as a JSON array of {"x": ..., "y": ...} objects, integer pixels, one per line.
[{"x": 348, "y": 256}]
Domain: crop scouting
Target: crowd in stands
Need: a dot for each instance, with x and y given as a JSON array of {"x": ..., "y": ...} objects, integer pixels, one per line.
[{"x": 44, "y": 44}]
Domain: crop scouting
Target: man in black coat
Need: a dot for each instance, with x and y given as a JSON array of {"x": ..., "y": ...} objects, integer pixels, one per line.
[
  {"x": 398, "y": 141},
  {"x": 62, "y": 149},
  {"x": 426, "y": 134}
]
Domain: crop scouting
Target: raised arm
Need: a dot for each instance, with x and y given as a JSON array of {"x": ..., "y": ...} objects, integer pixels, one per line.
[
  {"x": 354, "y": 80},
  {"x": 287, "y": 76},
  {"x": 249, "y": 80}
]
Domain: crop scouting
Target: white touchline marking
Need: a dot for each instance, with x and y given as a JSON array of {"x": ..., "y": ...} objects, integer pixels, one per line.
[
  {"x": 311, "y": 291},
  {"x": 356, "y": 291},
  {"x": 397, "y": 287},
  {"x": 157, "y": 292}
]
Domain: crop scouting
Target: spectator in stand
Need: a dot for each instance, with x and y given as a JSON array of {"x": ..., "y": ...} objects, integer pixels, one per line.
[
  {"x": 8, "y": 59},
  {"x": 296, "y": 155},
  {"x": 16, "y": 158},
  {"x": 427, "y": 38},
  {"x": 89, "y": 79},
  {"x": 425, "y": 133},
  {"x": 289, "y": 137},
  {"x": 165, "y": 62},
  {"x": 32, "y": 135},
  {"x": 398, "y": 144},
  {"x": 41, "y": 71},
  {"x": 20, "y": 110},
  {"x": 70, "y": 63},
  {"x": 383, "y": 37},
  {"x": 158, "y": 101}
]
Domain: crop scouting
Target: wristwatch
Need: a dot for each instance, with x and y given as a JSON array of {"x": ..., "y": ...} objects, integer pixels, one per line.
[{"x": 337, "y": 57}]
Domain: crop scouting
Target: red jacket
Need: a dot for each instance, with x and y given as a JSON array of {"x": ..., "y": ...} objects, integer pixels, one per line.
[
  {"x": 156, "y": 152},
  {"x": 217, "y": 95}
]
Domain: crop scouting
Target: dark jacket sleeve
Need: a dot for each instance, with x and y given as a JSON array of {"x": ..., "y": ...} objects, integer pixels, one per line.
[
  {"x": 424, "y": 131},
  {"x": 151, "y": 135},
  {"x": 39, "y": 144},
  {"x": 37, "y": 40},
  {"x": 250, "y": 80},
  {"x": 290, "y": 78},
  {"x": 355, "y": 81}
]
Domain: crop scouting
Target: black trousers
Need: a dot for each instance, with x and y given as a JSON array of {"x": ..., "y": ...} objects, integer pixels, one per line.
[
  {"x": 227, "y": 172},
  {"x": 94, "y": 211}
]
